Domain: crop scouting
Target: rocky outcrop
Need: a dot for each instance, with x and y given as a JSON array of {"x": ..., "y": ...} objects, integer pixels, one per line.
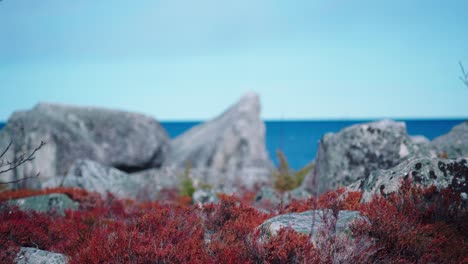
[
  {"x": 230, "y": 142},
  {"x": 454, "y": 144},
  {"x": 425, "y": 172},
  {"x": 312, "y": 222},
  {"x": 102, "y": 179},
  {"x": 55, "y": 202},
  {"x": 28, "y": 255},
  {"x": 356, "y": 151},
  {"x": 120, "y": 139},
  {"x": 147, "y": 184}
]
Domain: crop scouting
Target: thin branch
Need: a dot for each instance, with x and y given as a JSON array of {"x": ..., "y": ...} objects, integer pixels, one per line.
[
  {"x": 464, "y": 77},
  {"x": 7, "y": 148},
  {"x": 21, "y": 160},
  {"x": 22, "y": 179}
]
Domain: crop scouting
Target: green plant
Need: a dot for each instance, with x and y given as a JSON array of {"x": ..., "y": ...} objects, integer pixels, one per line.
[
  {"x": 287, "y": 179},
  {"x": 186, "y": 183}
]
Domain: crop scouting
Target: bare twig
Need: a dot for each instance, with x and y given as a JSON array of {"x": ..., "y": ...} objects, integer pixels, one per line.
[
  {"x": 464, "y": 77},
  {"x": 7, "y": 148},
  {"x": 18, "y": 161},
  {"x": 22, "y": 179}
]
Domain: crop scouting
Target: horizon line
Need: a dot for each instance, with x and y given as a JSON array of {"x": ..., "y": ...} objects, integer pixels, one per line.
[{"x": 333, "y": 119}]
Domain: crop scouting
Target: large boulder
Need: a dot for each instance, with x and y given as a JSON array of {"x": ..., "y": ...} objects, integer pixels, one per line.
[
  {"x": 356, "y": 151},
  {"x": 230, "y": 142},
  {"x": 54, "y": 202},
  {"x": 453, "y": 144},
  {"x": 28, "y": 255},
  {"x": 124, "y": 140},
  {"x": 424, "y": 172}
]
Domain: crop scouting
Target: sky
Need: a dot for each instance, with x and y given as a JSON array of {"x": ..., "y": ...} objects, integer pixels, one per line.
[{"x": 190, "y": 60}]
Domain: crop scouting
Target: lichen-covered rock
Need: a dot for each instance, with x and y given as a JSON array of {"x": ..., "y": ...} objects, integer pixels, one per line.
[
  {"x": 425, "y": 172},
  {"x": 128, "y": 141},
  {"x": 312, "y": 222},
  {"x": 28, "y": 255},
  {"x": 55, "y": 202},
  {"x": 453, "y": 144},
  {"x": 204, "y": 196},
  {"x": 356, "y": 151},
  {"x": 230, "y": 142}
]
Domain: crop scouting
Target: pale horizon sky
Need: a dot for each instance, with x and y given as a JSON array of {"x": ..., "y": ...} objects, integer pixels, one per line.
[{"x": 190, "y": 60}]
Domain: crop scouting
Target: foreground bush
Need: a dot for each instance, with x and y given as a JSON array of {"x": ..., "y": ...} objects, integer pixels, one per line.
[{"x": 414, "y": 226}]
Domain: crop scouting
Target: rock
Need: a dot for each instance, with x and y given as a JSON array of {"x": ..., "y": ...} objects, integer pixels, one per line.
[
  {"x": 356, "y": 151},
  {"x": 455, "y": 143},
  {"x": 298, "y": 194},
  {"x": 303, "y": 222},
  {"x": 204, "y": 196},
  {"x": 419, "y": 140},
  {"x": 230, "y": 142},
  {"x": 102, "y": 179},
  {"x": 45, "y": 203},
  {"x": 268, "y": 197},
  {"x": 28, "y": 255},
  {"x": 425, "y": 172},
  {"x": 124, "y": 140}
]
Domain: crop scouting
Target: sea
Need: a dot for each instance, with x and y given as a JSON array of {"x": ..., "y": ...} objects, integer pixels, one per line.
[{"x": 298, "y": 140}]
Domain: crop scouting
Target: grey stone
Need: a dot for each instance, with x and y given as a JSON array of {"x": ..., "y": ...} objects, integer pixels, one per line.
[
  {"x": 204, "y": 196},
  {"x": 419, "y": 140},
  {"x": 102, "y": 179},
  {"x": 424, "y": 172},
  {"x": 45, "y": 203},
  {"x": 313, "y": 222},
  {"x": 230, "y": 142},
  {"x": 298, "y": 194},
  {"x": 128, "y": 141},
  {"x": 268, "y": 195},
  {"x": 28, "y": 255},
  {"x": 356, "y": 151},
  {"x": 455, "y": 143}
]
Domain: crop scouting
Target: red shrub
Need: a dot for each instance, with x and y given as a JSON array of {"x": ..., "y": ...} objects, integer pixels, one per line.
[
  {"x": 231, "y": 222},
  {"x": 416, "y": 225},
  {"x": 288, "y": 246}
]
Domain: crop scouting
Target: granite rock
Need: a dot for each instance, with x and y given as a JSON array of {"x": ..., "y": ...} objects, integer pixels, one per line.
[
  {"x": 124, "y": 140},
  {"x": 356, "y": 151}
]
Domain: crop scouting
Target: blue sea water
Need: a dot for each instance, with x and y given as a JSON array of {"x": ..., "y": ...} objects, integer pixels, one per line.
[{"x": 299, "y": 139}]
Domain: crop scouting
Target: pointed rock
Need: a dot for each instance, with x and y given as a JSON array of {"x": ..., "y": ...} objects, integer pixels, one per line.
[{"x": 230, "y": 142}]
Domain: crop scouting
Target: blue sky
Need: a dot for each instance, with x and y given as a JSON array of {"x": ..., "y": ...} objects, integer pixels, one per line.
[{"x": 189, "y": 60}]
